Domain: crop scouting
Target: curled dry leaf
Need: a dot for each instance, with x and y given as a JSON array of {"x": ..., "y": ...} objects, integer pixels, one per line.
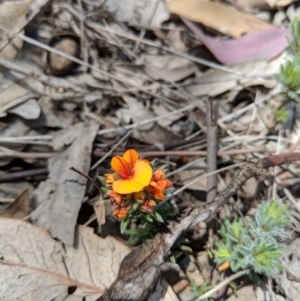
[
  {"x": 221, "y": 17},
  {"x": 262, "y": 45},
  {"x": 57, "y": 64},
  {"x": 20, "y": 207},
  {"x": 35, "y": 267}
]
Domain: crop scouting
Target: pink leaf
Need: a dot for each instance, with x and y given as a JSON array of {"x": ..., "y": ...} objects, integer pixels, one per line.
[{"x": 265, "y": 44}]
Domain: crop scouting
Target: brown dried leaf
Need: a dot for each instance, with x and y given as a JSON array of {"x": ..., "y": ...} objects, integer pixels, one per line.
[
  {"x": 20, "y": 207},
  {"x": 60, "y": 197},
  {"x": 12, "y": 18},
  {"x": 35, "y": 267},
  {"x": 221, "y": 17},
  {"x": 99, "y": 208}
]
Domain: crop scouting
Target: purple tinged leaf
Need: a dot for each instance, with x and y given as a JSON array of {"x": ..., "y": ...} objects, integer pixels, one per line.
[{"x": 261, "y": 45}]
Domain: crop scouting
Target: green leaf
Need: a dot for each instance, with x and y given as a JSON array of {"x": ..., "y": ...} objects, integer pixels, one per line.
[
  {"x": 158, "y": 217},
  {"x": 101, "y": 179},
  {"x": 172, "y": 259},
  {"x": 148, "y": 218},
  {"x": 124, "y": 224}
]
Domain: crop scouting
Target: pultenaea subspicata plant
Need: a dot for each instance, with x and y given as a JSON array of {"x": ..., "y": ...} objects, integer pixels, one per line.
[
  {"x": 134, "y": 189},
  {"x": 289, "y": 75},
  {"x": 254, "y": 245}
]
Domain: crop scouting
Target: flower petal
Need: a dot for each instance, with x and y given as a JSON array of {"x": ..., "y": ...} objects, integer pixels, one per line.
[
  {"x": 156, "y": 191},
  {"x": 142, "y": 174},
  {"x": 115, "y": 198},
  {"x": 148, "y": 206},
  {"x": 109, "y": 179},
  {"x": 158, "y": 175},
  {"x": 131, "y": 156},
  {"x": 121, "y": 212},
  {"x": 120, "y": 166}
]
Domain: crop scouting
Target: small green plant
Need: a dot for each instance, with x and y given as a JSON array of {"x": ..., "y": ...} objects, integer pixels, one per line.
[
  {"x": 148, "y": 225},
  {"x": 281, "y": 115},
  {"x": 254, "y": 245},
  {"x": 294, "y": 44},
  {"x": 199, "y": 290},
  {"x": 289, "y": 75}
]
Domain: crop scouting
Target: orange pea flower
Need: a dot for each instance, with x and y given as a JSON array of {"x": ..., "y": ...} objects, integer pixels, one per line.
[
  {"x": 114, "y": 197},
  {"x": 109, "y": 179},
  {"x": 121, "y": 212},
  {"x": 158, "y": 184},
  {"x": 148, "y": 206},
  {"x": 135, "y": 174}
]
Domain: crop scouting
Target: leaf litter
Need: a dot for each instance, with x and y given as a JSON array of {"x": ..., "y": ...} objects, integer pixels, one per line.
[{"x": 140, "y": 79}]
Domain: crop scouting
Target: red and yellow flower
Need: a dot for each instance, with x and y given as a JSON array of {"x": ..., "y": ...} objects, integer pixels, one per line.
[
  {"x": 121, "y": 212},
  {"x": 115, "y": 198},
  {"x": 158, "y": 184},
  {"x": 133, "y": 182},
  {"x": 148, "y": 206},
  {"x": 134, "y": 174}
]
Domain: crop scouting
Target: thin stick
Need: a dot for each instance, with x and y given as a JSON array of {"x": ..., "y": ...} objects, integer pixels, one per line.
[
  {"x": 23, "y": 174},
  {"x": 88, "y": 178},
  {"x": 7, "y": 153},
  {"x": 211, "y": 133}
]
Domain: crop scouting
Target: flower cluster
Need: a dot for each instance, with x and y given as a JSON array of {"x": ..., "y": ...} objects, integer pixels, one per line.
[{"x": 134, "y": 187}]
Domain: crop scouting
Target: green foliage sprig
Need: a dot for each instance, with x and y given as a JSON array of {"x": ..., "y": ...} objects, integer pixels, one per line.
[
  {"x": 254, "y": 246},
  {"x": 289, "y": 75},
  {"x": 198, "y": 290}
]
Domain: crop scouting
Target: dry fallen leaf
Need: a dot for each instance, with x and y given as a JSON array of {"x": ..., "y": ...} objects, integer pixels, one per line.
[
  {"x": 168, "y": 67},
  {"x": 215, "y": 82},
  {"x": 28, "y": 110},
  {"x": 61, "y": 196},
  {"x": 35, "y": 267},
  {"x": 151, "y": 132},
  {"x": 262, "y": 4},
  {"x": 12, "y": 94},
  {"x": 262, "y": 45},
  {"x": 12, "y": 18},
  {"x": 20, "y": 207},
  {"x": 149, "y": 13},
  {"x": 14, "y": 129},
  {"x": 292, "y": 263},
  {"x": 221, "y": 17},
  {"x": 99, "y": 208}
]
